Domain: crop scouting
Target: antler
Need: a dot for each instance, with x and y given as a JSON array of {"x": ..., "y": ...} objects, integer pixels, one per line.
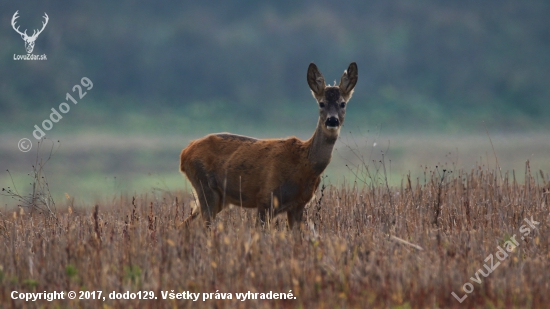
[
  {"x": 34, "y": 33},
  {"x": 43, "y": 26},
  {"x": 13, "y": 24}
]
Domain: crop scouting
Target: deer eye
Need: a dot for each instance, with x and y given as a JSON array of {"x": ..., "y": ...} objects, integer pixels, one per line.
[
  {"x": 343, "y": 104},
  {"x": 321, "y": 104}
]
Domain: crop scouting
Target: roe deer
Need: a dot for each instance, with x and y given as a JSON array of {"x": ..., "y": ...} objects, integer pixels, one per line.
[{"x": 274, "y": 175}]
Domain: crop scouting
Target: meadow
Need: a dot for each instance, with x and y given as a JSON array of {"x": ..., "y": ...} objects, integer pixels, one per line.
[{"x": 364, "y": 243}]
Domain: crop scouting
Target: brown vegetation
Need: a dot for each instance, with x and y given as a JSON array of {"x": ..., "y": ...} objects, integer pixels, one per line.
[{"x": 376, "y": 247}]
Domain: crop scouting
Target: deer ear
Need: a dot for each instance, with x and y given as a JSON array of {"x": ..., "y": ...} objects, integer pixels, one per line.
[
  {"x": 315, "y": 80},
  {"x": 349, "y": 79}
]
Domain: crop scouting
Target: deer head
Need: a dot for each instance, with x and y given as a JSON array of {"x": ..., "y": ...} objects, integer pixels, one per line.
[
  {"x": 332, "y": 100},
  {"x": 29, "y": 40}
]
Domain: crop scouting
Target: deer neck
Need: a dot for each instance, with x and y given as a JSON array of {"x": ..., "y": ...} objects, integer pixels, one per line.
[{"x": 320, "y": 148}]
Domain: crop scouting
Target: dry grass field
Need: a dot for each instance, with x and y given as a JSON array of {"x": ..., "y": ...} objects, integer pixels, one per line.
[{"x": 377, "y": 246}]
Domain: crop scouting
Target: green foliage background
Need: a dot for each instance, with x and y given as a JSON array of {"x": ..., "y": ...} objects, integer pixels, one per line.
[{"x": 423, "y": 65}]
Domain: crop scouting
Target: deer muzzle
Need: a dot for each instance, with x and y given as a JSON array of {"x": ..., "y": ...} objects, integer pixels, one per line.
[{"x": 332, "y": 123}]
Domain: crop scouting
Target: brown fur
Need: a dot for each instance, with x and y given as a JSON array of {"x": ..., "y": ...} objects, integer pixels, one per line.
[{"x": 273, "y": 175}]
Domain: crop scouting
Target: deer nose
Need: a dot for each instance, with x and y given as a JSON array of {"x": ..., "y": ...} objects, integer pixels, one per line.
[{"x": 332, "y": 122}]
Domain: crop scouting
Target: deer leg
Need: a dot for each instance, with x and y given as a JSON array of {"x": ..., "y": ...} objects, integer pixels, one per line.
[
  {"x": 210, "y": 203},
  {"x": 264, "y": 214},
  {"x": 208, "y": 194},
  {"x": 188, "y": 220},
  {"x": 295, "y": 216}
]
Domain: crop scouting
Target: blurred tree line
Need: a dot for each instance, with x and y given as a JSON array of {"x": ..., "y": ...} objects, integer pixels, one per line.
[{"x": 418, "y": 60}]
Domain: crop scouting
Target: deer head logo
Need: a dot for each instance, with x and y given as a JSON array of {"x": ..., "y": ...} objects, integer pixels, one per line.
[{"x": 29, "y": 40}]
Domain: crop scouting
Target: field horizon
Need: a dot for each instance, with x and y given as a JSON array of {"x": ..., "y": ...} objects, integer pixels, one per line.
[{"x": 93, "y": 167}]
